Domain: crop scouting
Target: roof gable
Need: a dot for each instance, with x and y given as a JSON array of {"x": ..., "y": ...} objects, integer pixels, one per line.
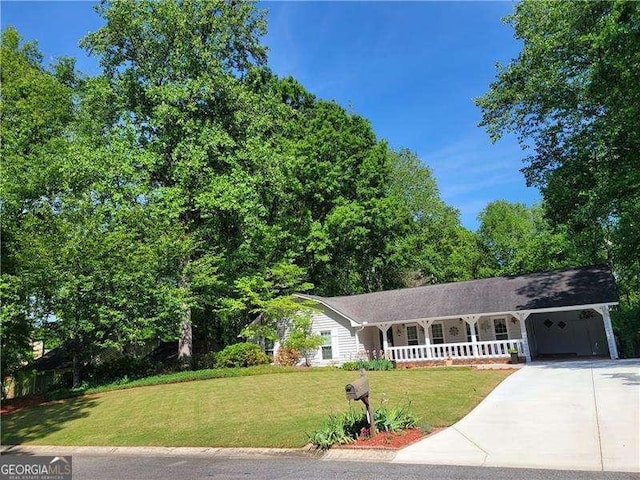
[{"x": 579, "y": 286}]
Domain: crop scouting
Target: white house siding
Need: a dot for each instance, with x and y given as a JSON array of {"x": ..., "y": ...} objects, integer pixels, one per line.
[
  {"x": 513, "y": 326},
  {"x": 343, "y": 337},
  {"x": 454, "y": 331},
  {"x": 486, "y": 330},
  {"x": 399, "y": 334},
  {"x": 369, "y": 339}
]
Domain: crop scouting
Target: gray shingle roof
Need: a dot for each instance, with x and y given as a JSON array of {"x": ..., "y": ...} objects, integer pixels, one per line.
[{"x": 579, "y": 286}]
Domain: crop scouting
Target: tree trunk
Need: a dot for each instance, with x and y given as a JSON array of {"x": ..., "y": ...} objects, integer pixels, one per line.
[{"x": 185, "y": 345}]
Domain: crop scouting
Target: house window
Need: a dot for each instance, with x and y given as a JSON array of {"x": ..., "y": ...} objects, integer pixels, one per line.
[
  {"x": 412, "y": 335},
  {"x": 268, "y": 347},
  {"x": 500, "y": 328},
  {"x": 469, "y": 339},
  {"x": 437, "y": 334},
  {"x": 327, "y": 349}
]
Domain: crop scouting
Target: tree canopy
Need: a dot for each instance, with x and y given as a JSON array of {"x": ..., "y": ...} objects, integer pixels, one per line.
[
  {"x": 518, "y": 239},
  {"x": 187, "y": 189},
  {"x": 573, "y": 96}
]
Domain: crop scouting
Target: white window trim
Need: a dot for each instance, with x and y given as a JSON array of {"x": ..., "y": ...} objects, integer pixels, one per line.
[
  {"x": 417, "y": 339},
  {"x": 506, "y": 326},
  {"x": 441, "y": 323},
  {"x": 335, "y": 355},
  {"x": 321, "y": 349}
]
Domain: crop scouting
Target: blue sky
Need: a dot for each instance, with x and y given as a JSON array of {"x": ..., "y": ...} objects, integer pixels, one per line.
[{"x": 411, "y": 68}]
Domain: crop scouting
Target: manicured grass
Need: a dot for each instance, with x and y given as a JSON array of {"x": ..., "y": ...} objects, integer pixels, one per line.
[{"x": 270, "y": 410}]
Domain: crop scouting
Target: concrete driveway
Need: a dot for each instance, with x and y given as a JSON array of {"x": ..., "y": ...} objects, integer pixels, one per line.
[{"x": 582, "y": 415}]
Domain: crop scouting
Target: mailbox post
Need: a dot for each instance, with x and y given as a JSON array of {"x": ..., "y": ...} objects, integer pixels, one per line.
[{"x": 359, "y": 390}]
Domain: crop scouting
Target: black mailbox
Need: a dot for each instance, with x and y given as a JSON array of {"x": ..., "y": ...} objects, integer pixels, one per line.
[{"x": 357, "y": 389}]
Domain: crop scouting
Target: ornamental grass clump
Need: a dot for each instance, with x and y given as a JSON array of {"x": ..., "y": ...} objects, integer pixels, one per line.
[
  {"x": 344, "y": 428},
  {"x": 394, "y": 419},
  {"x": 335, "y": 430},
  {"x": 375, "y": 364}
]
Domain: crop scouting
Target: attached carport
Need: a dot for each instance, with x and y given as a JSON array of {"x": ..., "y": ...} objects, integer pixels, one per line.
[
  {"x": 566, "y": 314},
  {"x": 571, "y": 333}
]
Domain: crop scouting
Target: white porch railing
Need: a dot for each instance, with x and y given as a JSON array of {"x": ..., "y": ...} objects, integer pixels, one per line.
[{"x": 491, "y": 349}]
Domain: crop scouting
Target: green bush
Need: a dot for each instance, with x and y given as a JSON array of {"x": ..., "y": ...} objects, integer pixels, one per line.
[
  {"x": 346, "y": 427},
  {"x": 376, "y": 364},
  {"x": 626, "y": 325},
  {"x": 350, "y": 366},
  {"x": 379, "y": 364},
  {"x": 241, "y": 355}
]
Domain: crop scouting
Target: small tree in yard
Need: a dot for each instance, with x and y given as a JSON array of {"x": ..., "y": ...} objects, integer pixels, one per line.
[{"x": 302, "y": 338}]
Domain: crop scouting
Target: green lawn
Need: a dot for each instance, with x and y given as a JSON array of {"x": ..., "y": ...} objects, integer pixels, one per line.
[{"x": 272, "y": 410}]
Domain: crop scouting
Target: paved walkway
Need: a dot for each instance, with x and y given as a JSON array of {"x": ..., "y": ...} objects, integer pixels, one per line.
[{"x": 582, "y": 415}]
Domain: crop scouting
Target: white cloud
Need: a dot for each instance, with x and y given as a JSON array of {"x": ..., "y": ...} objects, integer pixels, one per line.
[{"x": 472, "y": 172}]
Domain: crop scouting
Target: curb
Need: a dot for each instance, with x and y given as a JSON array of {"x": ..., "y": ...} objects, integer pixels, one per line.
[
  {"x": 360, "y": 455},
  {"x": 368, "y": 455},
  {"x": 157, "y": 451}
]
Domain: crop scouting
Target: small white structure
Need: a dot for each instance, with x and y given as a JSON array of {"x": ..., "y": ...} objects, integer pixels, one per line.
[{"x": 541, "y": 315}]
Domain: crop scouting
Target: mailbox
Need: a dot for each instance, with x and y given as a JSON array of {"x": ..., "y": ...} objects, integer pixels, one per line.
[{"x": 357, "y": 389}]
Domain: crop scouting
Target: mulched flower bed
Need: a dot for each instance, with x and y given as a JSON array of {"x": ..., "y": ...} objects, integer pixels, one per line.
[{"x": 388, "y": 441}]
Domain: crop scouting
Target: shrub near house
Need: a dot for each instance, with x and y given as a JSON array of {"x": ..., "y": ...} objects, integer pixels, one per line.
[{"x": 241, "y": 355}]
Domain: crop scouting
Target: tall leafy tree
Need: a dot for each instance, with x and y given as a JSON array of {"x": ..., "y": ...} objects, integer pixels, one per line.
[
  {"x": 83, "y": 249},
  {"x": 433, "y": 246},
  {"x": 340, "y": 178},
  {"x": 36, "y": 109},
  {"x": 573, "y": 95},
  {"x": 177, "y": 65},
  {"x": 334, "y": 213},
  {"x": 517, "y": 239}
]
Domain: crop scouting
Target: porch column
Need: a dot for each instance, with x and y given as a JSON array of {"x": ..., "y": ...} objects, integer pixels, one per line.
[
  {"x": 522, "y": 317},
  {"x": 472, "y": 320},
  {"x": 425, "y": 324},
  {"x": 608, "y": 330},
  {"x": 384, "y": 327},
  {"x": 358, "y": 345}
]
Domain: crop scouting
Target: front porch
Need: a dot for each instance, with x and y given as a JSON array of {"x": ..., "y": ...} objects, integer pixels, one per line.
[
  {"x": 462, "y": 350},
  {"x": 469, "y": 337}
]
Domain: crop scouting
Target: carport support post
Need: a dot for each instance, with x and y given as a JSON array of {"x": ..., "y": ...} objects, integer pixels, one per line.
[
  {"x": 522, "y": 318},
  {"x": 608, "y": 330}
]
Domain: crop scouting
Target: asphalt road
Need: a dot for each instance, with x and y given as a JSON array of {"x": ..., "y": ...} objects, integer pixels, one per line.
[{"x": 89, "y": 467}]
